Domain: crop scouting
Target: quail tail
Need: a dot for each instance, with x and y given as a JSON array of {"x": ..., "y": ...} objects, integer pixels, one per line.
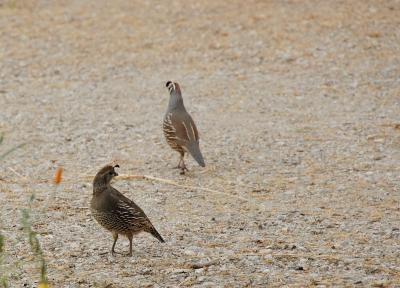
[
  {"x": 157, "y": 235},
  {"x": 194, "y": 150}
]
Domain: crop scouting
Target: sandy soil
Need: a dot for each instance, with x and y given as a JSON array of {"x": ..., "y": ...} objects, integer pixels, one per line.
[{"x": 297, "y": 104}]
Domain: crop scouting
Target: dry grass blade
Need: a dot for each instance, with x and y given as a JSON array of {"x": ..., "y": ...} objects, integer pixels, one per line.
[
  {"x": 18, "y": 174},
  {"x": 170, "y": 182},
  {"x": 2, "y": 156}
]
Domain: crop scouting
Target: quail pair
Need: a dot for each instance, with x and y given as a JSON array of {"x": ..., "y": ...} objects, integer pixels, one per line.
[
  {"x": 117, "y": 213},
  {"x": 179, "y": 128}
]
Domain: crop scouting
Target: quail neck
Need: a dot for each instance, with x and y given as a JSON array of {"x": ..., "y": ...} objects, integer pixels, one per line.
[
  {"x": 100, "y": 185},
  {"x": 102, "y": 180},
  {"x": 175, "y": 101}
]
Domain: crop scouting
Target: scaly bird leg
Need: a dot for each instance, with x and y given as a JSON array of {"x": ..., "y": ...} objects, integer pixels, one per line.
[
  {"x": 130, "y": 245},
  {"x": 179, "y": 163},
  {"x": 182, "y": 165},
  {"x": 115, "y": 236}
]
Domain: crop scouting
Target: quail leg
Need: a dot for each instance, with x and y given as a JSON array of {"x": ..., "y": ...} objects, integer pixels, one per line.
[
  {"x": 115, "y": 236},
  {"x": 130, "y": 246},
  {"x": 181, "y": 165}
]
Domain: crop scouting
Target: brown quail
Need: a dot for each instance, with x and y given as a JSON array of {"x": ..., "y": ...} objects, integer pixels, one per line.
[
  {"x": 117, "y": 213},
  {"x": 179, "y": 128}
]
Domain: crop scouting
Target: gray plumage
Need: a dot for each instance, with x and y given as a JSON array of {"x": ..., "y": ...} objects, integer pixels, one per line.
[
  {"x": 117, "y": 213},
  {"x": 179, "y": 129}
]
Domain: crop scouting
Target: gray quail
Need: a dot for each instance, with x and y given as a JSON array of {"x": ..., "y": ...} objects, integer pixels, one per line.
[
  {"x": 117, "y": 213},
  {"x": 179, "y": 128}
]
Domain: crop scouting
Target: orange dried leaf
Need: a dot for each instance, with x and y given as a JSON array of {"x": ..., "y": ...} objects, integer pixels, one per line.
[{"x": 57, "y": 175}]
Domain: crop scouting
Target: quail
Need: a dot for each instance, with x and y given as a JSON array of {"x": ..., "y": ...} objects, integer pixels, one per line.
[
  {"x": 179, "y": 128},
  {"x": 117, "y": 213}
]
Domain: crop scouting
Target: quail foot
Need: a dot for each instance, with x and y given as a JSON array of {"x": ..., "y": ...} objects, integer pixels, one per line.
[
  {"x": 117, "y": 213},
  {"x": 179, "y": 128}
]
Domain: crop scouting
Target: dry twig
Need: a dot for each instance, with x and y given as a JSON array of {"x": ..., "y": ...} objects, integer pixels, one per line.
[{"x": 170, "y": 182}]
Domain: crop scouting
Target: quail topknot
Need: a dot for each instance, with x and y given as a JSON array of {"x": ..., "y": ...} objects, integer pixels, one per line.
[
  {"x": 179, "y": 128},
  {"x": 117, "y": 213}
]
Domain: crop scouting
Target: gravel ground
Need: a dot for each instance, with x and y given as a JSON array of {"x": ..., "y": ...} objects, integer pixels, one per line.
[{"x": 297, "y": 104}]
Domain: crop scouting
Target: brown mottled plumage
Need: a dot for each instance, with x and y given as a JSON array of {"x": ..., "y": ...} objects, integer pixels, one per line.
[
  {"x": 115, "y": 212},
  {"x": 179, "y": 128}
]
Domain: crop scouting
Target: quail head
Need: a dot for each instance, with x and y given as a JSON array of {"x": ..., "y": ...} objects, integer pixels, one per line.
[
  {"x": 117, "y": 213},
  {"x": 179, "y": 128}
]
